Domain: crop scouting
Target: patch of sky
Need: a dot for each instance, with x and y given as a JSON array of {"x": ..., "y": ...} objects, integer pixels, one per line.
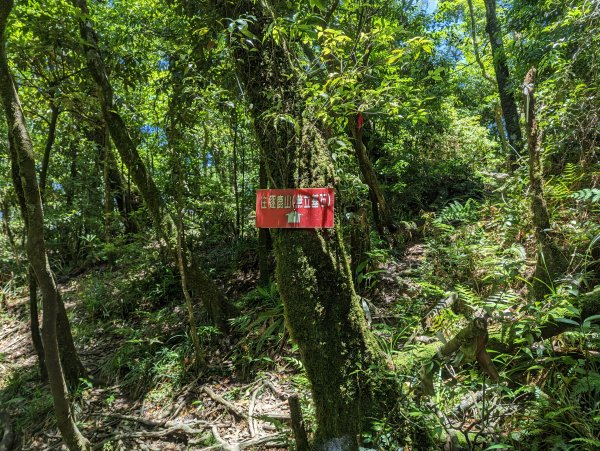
[
  {"x": 148, "y": 129},
  {"x": 429, "y": 6},
  {"x": 156, "y": 132},
  {"x": 163, "y": 64}
]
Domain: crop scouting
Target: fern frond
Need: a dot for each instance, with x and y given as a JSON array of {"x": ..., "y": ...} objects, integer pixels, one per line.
[
  {"x": 468, "y": 297},
  {"x": 591, "y": 195}
]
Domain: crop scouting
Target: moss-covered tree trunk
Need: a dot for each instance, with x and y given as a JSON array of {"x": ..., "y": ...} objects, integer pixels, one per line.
[
  {"x": 21, "y": 143},
  {"x": 199, "y": 282},
  {"x": 549, "y": 261},
  {"x": 322, "y": 310},
  {"x": 507, "y": 99}
]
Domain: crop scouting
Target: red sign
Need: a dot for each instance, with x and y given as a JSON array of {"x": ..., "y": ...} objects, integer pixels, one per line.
[{"x": 300, "y": 208}]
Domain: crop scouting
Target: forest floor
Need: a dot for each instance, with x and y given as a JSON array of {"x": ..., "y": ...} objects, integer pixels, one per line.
[
  {"x": 199, "y": 412},
  {"x": 117, "y": 409}
]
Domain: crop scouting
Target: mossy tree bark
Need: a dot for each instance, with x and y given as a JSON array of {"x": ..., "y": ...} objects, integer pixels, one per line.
[
  {"x": 36, "y": 245},
  {"x": 549, "y": 262},
  {"x": 507, "y": 99},
  {"x": 71, "y": 364},
  {"x": 219, "y": 309},
  {"x": 322, "y": 310}
]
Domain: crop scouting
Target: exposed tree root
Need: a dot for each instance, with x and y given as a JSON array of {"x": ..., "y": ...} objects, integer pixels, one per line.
[{"x": 230, "y": 406}]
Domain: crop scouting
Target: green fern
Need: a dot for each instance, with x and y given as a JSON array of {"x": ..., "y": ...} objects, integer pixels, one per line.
[
  {"x": 591, "y": 195},
  {"x": 587, "y": 384},
  {"x": 561, "y": 187},
  {"x": 468, "y": 297},
  {"x": 457, "y": 212},
  {"x": 502, "y": 300}
]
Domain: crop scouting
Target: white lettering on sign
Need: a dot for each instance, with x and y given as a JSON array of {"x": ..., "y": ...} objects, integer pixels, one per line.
[
  {"x": 315, "y": 201},
  {"x": 293, "y": 217},
  {"x": 263, "y": 202}
]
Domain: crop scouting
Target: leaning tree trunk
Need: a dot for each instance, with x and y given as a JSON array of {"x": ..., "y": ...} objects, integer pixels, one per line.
[
  {"x": 369, "y": 176},
  {"x": 36, "y": 336},
  {"x": 73, "y": 369},
  {"x": 219, "y": 309},
  {"x": 36, "y": 245},
  {"x": 322, "y": 310},
  {"x": 549, "y": 262},
  {"x": 507, "y": 100}
]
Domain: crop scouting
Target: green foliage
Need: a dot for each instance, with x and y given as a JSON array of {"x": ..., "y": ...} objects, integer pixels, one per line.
[
  {"x": 262, "y": 327},
  {"x": 591, "y": 195},
  {"x": 429, "y": 125},
  {"x": 457, "y": 212}
]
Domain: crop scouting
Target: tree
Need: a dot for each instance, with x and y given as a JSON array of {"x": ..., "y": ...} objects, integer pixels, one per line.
[
  {"x": 322, "y": 310},
  {"x": 549, "y": 262},
  {"x": 22, "y": 153},
  {"x": 219, "y": 309},
  {"x": 507, "y": 100}
]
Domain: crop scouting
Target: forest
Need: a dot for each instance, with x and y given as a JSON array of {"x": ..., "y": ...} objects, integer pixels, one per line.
[{"x": 299, "y": 225}]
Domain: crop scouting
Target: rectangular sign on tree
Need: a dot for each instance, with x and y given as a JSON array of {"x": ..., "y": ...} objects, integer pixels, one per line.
[{"x": 298, "y": 208}]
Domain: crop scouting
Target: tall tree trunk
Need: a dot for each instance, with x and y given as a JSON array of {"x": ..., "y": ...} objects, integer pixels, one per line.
[
  {"x": 497, "y": 108},
  {"x": 507, "y": 99},
  {"x": 322, "y": 310},
  {"x": 20, "y": 141},
  {"x": 549, "y": 262},
  {"x": 163, "y": 222},
  {"x": 72, "y": 367},
  {"x": 176, "y": 124},
  {"x": 369, "y": 176}
]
